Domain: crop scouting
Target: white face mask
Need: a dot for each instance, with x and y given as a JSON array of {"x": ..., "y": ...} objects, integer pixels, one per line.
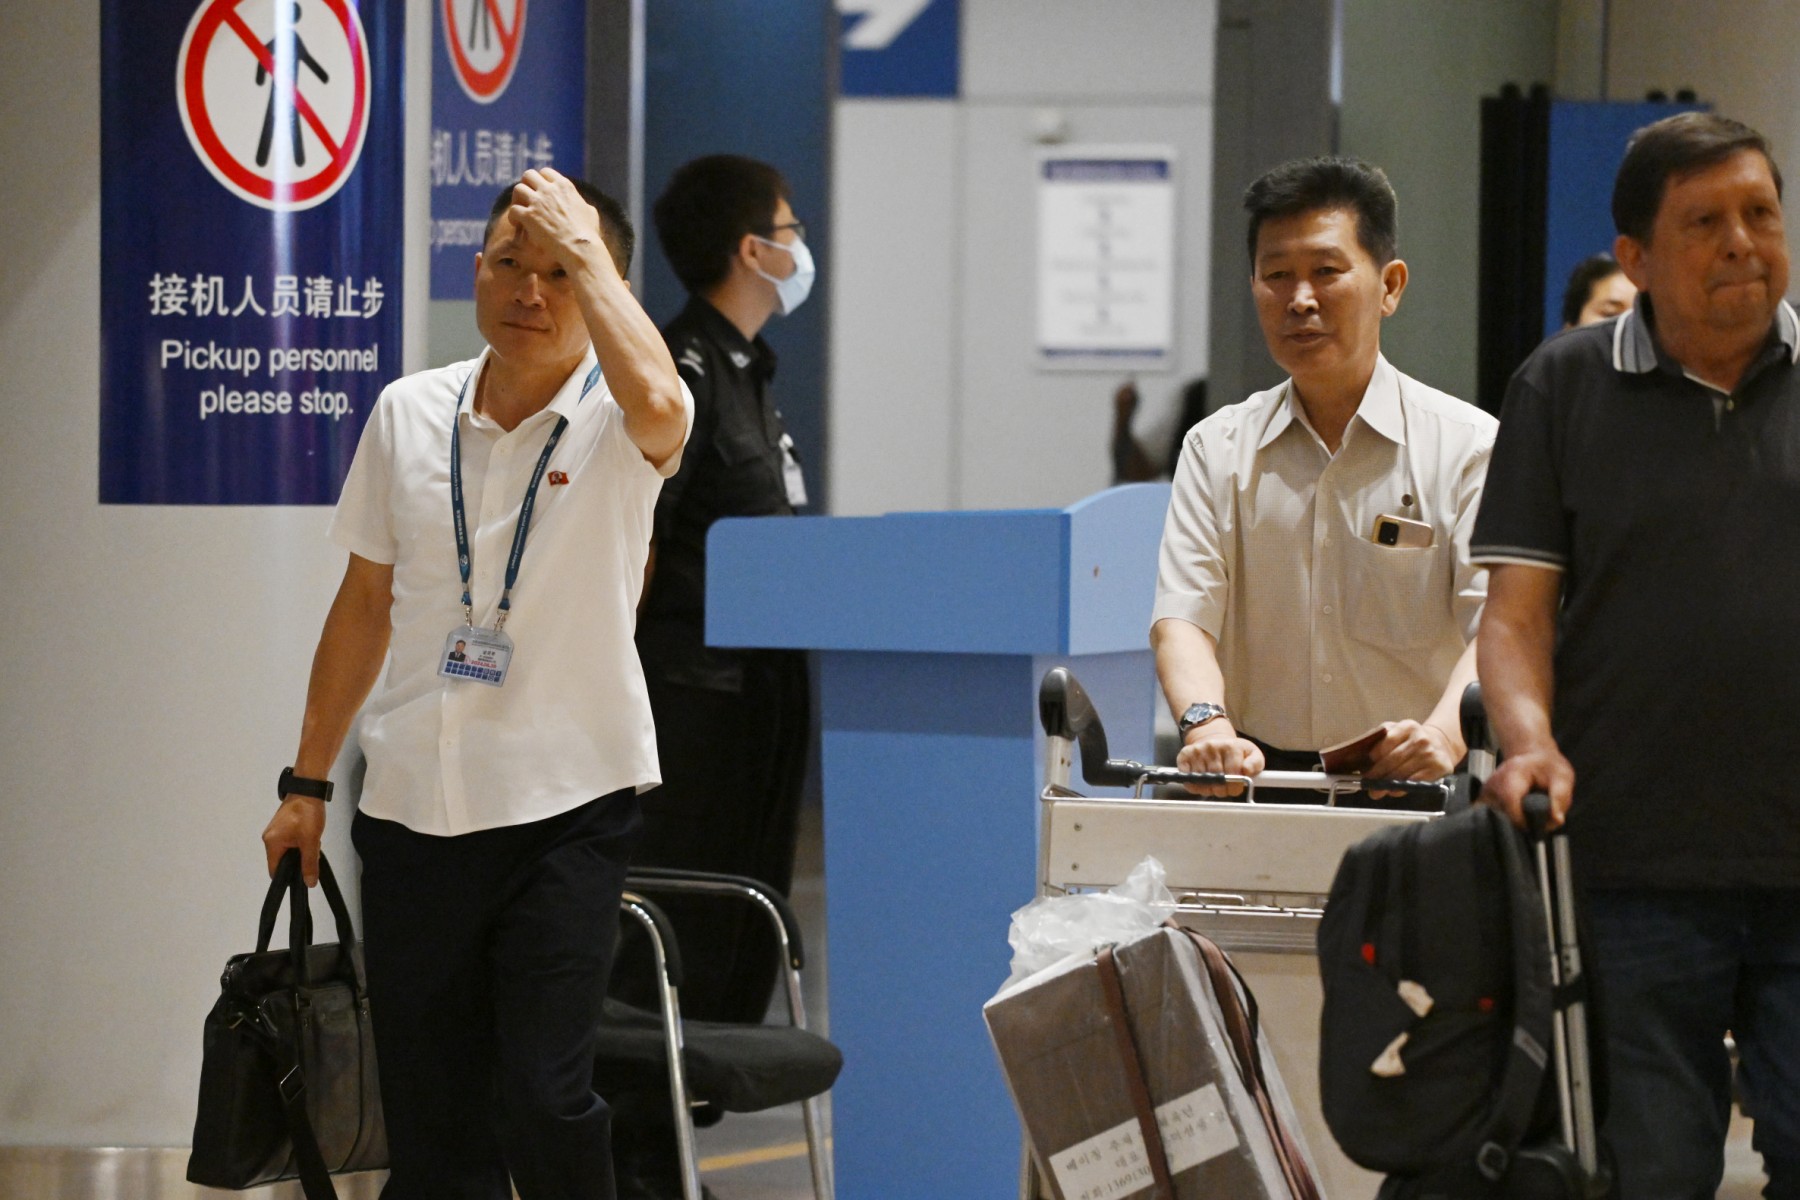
[{"x": 791, "y": 292}]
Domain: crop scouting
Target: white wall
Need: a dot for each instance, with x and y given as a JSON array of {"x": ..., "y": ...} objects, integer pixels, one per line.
[
  {"x": 156, "y": 662},
  {"x": 1414, "y": 75},
  {"x": 897, "y": 214},
  {"x": 1740, "y": 56},
  {"x": 935, "y": 399}
]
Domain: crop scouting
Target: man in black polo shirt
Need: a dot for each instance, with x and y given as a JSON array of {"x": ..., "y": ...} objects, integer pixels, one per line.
[
  {"x": 1640, "y": 649},
  {"x": 731, "y": 725}
]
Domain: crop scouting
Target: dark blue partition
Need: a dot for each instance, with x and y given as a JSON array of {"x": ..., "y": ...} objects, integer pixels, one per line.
[
  {"x": 749, "y": 77},
  {"x": 1587, "y": 143}
]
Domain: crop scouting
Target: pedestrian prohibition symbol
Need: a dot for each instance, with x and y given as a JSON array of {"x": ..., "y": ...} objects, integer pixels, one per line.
[
  {"x": 274, "y": 95},
  {"x": 484, "y": 45}
]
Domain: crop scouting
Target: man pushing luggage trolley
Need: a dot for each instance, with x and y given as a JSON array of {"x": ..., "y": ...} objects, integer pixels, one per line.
[{"x": 1315, "y": 587}]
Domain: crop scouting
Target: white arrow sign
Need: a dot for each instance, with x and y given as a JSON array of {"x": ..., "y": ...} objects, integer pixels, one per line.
[{"x": 882, "y": 21}]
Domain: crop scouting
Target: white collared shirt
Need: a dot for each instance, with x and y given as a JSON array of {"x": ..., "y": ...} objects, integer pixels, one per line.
[
  {"x": 573, "y": 720},
  {"x": 1323, "y": 633}
]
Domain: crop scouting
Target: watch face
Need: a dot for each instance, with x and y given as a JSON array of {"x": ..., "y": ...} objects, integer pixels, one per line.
[{"x": 1199, "y": 714}]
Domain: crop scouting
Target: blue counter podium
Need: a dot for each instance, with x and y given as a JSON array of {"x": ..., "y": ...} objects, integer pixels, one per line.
[{"x": 933, "y": 630}]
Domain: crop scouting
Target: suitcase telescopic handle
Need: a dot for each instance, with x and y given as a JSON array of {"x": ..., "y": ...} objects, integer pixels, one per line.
[{"x": 1536, "y": 808}]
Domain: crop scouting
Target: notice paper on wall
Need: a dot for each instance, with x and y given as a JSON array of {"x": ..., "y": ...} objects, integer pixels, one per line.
[{"x": 1106, "y": 258}]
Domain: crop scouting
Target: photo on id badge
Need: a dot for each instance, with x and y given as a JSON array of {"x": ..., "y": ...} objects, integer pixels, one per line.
[{"x": 476, "y": 655}]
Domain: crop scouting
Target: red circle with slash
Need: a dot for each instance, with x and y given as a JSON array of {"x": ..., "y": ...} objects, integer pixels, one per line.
[
  {"x": 484, "y": 85},
  {"x": 218, "y": 27}
]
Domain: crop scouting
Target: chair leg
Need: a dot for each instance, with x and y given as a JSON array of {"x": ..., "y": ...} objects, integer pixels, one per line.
[
  {"x": 818, "y": 1155},
  {"x": 678, "y": 1094},
  {"x": 672, "y": 1046},
  {"x": 812, "y": 1110}
]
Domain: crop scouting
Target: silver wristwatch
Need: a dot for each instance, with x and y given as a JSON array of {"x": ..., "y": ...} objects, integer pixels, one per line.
[{"x": 1197, "y": 715}]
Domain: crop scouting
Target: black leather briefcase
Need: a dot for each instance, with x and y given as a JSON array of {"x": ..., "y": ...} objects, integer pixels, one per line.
[{"x": 287, "y": 1084}]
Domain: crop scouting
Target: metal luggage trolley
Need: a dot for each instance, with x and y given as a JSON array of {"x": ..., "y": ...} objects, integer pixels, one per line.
[{"x": 1250, "y": 875}]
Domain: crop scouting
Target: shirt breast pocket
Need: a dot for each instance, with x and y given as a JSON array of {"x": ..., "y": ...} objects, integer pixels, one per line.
[
  {"x": 1396, "y": 597},
  {"x": 749, "y": 482},
  {"x": 739, "y": 446}
]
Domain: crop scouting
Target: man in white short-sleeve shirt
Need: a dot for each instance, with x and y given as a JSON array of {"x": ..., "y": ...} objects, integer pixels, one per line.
[
  {"x": 1315, "y": 580},
  {"x": 498, "y": 517}
]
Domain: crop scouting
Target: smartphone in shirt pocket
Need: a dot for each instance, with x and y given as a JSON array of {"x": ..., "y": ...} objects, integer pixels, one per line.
[{"x": 1401, "y": 532}]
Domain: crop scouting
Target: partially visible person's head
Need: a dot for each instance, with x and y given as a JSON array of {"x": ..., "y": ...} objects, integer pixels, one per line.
[
  {"x": 1697, "y": 203},
  {"x": 1597, "y": 291},
  {"x": 1323, "y": 268},
  {"x": 709, "y": 206},
  {"x": 615, "y": 223},
  {"x": 1312, "y": 184}
]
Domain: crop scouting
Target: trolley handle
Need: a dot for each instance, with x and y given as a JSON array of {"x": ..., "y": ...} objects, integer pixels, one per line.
[
  {"x": 1066, "y": 712},
  {"x": 1125, "y": 773},
  {"x": 1118, "y": 772},
  {"x": 1536, "y": 808}
]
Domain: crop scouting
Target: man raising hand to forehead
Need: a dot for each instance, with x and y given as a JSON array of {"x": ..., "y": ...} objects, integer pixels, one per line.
[{"x": 510, "y": 733}]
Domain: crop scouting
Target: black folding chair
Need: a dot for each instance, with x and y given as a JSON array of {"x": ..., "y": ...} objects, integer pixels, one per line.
[{"x": 730, "y": 1067}]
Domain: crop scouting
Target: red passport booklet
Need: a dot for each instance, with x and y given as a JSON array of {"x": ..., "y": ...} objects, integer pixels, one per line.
[{"x": 1352, "y": 757}]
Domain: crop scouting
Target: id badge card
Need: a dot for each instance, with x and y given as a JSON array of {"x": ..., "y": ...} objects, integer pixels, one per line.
[
  {"x": 477, "y": 655},
  {"x": 791, "y": 478}
]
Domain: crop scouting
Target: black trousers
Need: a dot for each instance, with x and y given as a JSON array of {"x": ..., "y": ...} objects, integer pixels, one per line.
[
  {"x": 733, "y": 765},
  {"x": 488, "y": 955}
]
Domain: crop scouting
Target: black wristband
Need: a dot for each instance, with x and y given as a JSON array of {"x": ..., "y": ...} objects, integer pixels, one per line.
[{"x": 291, "y": 784}]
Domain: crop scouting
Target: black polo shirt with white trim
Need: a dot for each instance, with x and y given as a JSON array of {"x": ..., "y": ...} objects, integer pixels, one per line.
[{"x": 1673, "y": 511}]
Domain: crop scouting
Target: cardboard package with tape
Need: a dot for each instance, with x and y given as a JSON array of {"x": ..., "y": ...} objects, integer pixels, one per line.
[{"x": 1140, "y": 1070}]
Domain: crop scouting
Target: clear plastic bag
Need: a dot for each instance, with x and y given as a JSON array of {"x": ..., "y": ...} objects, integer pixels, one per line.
[{"x": 1052, "y": 929}]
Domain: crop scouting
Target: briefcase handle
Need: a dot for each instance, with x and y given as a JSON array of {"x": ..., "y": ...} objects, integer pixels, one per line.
[{"x": 287, "y": 881}]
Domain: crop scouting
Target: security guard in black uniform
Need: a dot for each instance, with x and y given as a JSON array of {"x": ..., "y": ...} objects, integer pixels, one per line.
[{"x": 731, "y": 725}]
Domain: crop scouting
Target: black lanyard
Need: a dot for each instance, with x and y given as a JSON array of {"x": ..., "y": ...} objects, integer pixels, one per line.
[{"x": 463, "y": 559}]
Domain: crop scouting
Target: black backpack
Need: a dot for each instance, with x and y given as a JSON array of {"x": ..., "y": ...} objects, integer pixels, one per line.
[{"x": 1463, "y": 1106}]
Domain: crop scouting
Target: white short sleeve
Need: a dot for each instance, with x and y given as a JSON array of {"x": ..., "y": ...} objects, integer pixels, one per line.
[
  {"x": 1471, "y": 577},
  {"x": 626, "y": 453},
  {"x": 1193, "y": 575},
  {"x": 364, "y": 522}
]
